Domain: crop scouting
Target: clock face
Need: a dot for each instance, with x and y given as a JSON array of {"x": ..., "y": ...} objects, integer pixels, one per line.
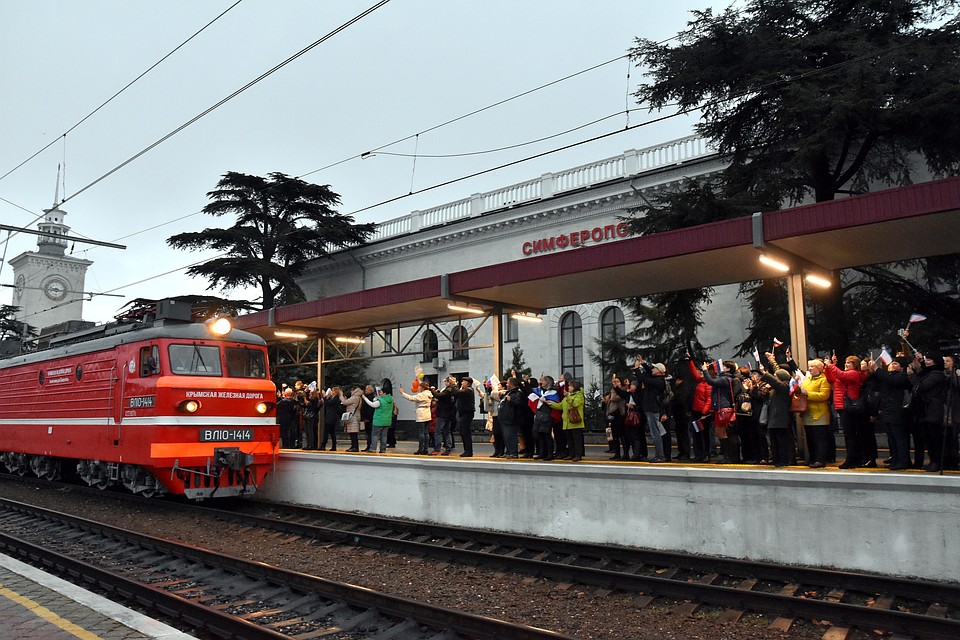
[
  {"x": 55, "y": 289},
  {"x": 18, "y": 290}
]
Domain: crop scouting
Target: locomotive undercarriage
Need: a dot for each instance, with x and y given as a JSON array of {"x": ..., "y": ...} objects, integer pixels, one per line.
[
  {"x": 229, "y": 472},
  {"x": 41, "y": 466},
  {"x": 106, "y": 474}
]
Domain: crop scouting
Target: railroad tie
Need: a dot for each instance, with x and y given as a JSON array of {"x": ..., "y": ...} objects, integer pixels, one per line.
[
  {"x": 783, "y": 623},
  {"x": 837, "y": 633}
]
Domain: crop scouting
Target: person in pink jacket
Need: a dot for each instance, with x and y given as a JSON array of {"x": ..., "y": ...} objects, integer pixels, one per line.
[{"x": 854, "y": 420}]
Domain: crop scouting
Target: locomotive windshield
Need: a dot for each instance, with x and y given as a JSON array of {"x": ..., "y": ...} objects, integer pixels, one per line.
[
  {"x": 245, "y": 363},
  {"x": 194, "y": 360}
]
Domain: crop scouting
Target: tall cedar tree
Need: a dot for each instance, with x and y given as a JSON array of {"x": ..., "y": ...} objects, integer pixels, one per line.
[
  {"x": 11, "y": 328},
  {"x": 281, "y": 224},
  {"x": 818, "y": 98}
]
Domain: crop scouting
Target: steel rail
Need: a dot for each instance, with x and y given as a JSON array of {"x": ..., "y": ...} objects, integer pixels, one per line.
[{"x": 438, "y": 618}]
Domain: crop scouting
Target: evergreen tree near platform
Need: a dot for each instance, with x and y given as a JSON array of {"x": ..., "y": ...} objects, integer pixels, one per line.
[
  {"x": 811, "y": 99},
  {"x": 517, "y": 364}
]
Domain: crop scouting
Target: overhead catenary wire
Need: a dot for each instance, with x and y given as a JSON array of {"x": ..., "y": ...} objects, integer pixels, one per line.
[
  {"x": 233, "y": 95},
  {"x": 63, "y": 136}
]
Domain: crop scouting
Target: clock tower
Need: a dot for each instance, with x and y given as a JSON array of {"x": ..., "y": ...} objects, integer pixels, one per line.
[{"x": 48, "y": 284}]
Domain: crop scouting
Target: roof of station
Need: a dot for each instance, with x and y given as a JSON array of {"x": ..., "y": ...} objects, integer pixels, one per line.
[{"x": 885, "y": 226}]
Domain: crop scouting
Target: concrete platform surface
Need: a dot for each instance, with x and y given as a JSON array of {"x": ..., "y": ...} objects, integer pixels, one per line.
[{"x": 35, "y": 605}]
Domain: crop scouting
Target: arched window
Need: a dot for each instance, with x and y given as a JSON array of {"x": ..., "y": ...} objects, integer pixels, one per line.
[
  {"x": 613, "y": 328},
  {"x": 571, "y": 345},
  {"x": 461, "y": 341},
  {"x": 431, "y": 347},
  {"x": 612, "y": 325}
]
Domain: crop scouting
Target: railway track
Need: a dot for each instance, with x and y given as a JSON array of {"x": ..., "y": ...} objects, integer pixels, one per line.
[
  {"x": 228, "y": 597},
  {"x": 850, "y": 600},
  {"x": 911, "y": 607}
]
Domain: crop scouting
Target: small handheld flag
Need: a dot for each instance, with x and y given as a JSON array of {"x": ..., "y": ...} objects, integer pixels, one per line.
[
  {"x": 718, "y": 364},
  {"x": 916, "y": 317},
  {"x": 777, "y": 342},
  {"x": 885, "y": 357},
  {"x": 697, "y": 425}
]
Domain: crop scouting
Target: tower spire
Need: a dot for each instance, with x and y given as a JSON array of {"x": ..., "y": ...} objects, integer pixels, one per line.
[{"x": 56, "y": 193}]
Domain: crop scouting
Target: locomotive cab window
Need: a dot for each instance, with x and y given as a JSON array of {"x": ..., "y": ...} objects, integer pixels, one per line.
[
  {"x": 245, "y": 363},
  {"x": 149, "y": 361},
  {"x": 194, "y": 360}
]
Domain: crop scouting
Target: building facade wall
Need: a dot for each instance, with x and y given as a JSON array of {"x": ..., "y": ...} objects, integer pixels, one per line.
[{"x": 513, "y": 233}]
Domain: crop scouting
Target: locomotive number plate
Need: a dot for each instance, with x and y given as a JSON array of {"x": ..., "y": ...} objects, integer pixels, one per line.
[{"x": 226, "y": 435}]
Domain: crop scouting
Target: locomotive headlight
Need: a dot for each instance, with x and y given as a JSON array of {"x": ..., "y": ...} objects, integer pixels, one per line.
[
  {"x": 220, "y": 326},
  {"x": 263, "y": 407},
  {"x": 189, "y": 406}
]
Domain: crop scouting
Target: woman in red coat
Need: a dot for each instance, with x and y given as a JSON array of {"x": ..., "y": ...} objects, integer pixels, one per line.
[
  {"x": 702, "y": 412},
  {"x": 854, "y": 420}
]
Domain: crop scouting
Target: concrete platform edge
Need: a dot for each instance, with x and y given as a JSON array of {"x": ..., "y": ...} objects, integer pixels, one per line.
[{"x": 127, "y": 617}]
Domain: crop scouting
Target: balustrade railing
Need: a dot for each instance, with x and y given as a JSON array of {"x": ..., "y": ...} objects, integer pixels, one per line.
[{"x": 626, "y": 164}]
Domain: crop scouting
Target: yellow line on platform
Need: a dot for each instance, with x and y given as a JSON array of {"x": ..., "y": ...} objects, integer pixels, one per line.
[{"x": 48, "y": 615}]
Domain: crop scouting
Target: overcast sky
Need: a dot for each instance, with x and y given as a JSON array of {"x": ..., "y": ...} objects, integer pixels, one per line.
[{"x": 407, "y": 67}]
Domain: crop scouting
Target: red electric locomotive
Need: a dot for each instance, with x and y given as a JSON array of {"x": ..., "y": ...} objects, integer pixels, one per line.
[{"x": 160, "y": 407}]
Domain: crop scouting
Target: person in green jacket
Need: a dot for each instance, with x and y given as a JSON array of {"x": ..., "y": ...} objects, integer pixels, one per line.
[
  {"x": 572, "y": 408},
  {"x": 382, "y": 415}
]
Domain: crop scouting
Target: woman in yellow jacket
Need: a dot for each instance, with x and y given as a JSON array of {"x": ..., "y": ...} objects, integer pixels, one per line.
[
  {"x": 816, "y": 419},
  {"x": 572, "y": 425}
]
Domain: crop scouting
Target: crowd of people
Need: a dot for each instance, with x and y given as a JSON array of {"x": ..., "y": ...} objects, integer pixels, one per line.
[
  {"x": 777, "y": 414},
  {"x": 781, "y": 414}
]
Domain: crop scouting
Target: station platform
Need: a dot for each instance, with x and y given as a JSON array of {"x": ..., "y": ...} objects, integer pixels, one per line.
[
  {"x": 35, "y": 605},
  {"x": 900, "y": 523}
]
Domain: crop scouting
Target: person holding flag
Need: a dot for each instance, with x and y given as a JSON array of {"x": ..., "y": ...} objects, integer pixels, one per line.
[
  {"x": 778, "y": 413},
  {"x": 816, "y": 418},
  {"x": 854, "y": 420},
  {"x": 544, "y": 417},
  {"x": 895, "y": 389},
  {"x": 726, "y": 387}
]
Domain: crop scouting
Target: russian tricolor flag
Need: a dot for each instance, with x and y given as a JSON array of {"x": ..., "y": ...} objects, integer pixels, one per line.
[{"x": 698, "y": 425}]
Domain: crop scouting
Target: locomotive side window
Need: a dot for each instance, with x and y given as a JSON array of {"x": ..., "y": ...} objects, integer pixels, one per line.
[
  {"x": 194, "y": 360},
  {"x": 245, "y": 363},
  {"x": 149, "y": 361}
]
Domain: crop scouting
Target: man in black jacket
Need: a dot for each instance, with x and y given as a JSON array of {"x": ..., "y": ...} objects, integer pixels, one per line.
[
  {"x": 511, "y": 404},
  {"x": 895, "y": 386},
  {"x": 446, "y": 415},
  {"x": 466, "y": 410},
  {"x": 650, "y": 379}
]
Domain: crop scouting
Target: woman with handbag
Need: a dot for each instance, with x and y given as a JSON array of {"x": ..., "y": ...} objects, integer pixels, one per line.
[
  {"x": 573, "y": 424},
  {"x": 634, "y": 435},
  {"x": 726, "y": 387},
  {"x": 816, "y": 417},
  {"x": 853, "y": 417}
]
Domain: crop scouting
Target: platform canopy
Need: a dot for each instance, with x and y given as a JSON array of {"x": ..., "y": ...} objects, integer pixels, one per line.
[{"x": 886, "y": 226}]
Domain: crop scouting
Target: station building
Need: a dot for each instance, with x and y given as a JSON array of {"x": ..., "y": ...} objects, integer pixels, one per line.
[{"x": 557, "y": 213}]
